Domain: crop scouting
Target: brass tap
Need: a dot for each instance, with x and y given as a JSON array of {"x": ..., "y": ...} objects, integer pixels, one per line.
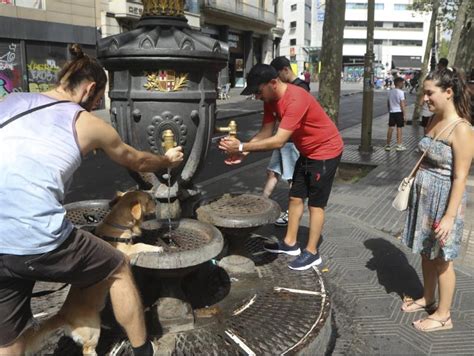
[
  {"x": 168, "y": 140},
  {"x": 231, "y": 129}
]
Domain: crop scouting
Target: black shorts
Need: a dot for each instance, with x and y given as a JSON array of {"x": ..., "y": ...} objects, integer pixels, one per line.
[
  {"x": 313, "y": 179},
  {"x": 81, "y": 260},
  {"x": 396, "y": 118}
]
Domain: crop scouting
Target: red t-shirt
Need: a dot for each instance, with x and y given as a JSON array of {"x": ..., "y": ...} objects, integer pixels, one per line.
[{"x": 314, "y": 134}]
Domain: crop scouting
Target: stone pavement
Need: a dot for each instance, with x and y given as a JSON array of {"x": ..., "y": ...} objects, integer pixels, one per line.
[{"x": 368, "y": 269}]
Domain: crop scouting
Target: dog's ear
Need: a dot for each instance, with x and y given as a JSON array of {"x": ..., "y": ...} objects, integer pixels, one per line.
[
  {"x": 115, "y": 200},
  {"x": 136, "y": 211}
]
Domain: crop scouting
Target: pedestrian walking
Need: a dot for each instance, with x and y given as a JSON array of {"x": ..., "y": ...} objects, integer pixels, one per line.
[
  {"x": 435, "y": 218},
  {"x": 283, "y": 160},
  {"x": 43, "y": 138},
  {"x": 307, "y": 77},
  {"x": 320, "y": 145},
  {"x": 397, "y": 114}
]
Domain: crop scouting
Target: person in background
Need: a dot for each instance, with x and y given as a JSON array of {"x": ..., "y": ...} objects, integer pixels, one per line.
[
  {"x": 397, "y": 114},
  {"x": 435, "y": 219},
  {"x": 307, "y": 77},
  {"x": 442, "y": 64},
  {"x": 283, "y": 160},
  {"x": 39, "y": 153}
]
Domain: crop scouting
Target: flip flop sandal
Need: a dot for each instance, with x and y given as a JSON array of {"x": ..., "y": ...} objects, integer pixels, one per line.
[
  {"x": 429, "y": 307},
  {"x": 443, "y": 323}
]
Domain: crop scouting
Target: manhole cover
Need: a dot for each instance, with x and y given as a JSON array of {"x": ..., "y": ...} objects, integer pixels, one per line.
[{"x": 238, "y": 211}]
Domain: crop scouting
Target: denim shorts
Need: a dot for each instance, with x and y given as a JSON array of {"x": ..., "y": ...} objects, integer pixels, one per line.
[
  {"x": 81, "y": 260},
  {"x": 283, "y": 161}
]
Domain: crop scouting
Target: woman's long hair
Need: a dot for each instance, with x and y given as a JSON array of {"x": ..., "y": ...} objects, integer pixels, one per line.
[
  {"x": 81, "y": 67},
  {"x": 451, "y": 78}
]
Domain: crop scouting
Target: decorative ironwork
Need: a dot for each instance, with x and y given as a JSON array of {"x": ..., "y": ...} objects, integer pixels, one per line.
[
  {"x": 163, "y": 8},
  {"x": 166, "y": 81},
  {"x": 161, "y": 123}
]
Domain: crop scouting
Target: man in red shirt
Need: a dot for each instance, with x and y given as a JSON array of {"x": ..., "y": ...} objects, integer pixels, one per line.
[{"x": 320, "y": 145}]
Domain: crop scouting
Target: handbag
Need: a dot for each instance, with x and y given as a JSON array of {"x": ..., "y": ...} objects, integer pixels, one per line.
[{"x": 400, "y": 202}]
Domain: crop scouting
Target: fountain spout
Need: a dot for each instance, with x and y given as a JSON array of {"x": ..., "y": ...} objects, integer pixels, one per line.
[
  {"x": 231, "y": 129},
  {"x": 168, "y": 140}
]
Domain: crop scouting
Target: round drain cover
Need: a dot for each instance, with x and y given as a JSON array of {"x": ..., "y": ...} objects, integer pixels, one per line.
[{"x": 238, "y": 211}]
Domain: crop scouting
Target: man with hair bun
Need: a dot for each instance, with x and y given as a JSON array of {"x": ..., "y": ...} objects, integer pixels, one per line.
[{"x": 43, "y": 138}]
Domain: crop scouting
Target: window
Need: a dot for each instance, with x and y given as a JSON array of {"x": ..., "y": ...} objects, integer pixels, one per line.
[
  {"x": 400, "y": 7},
  {"x": 418, "y": 25},
  {"x": 359, "y": 41},
  {"x": 33, "y": 4},
  {"x": 293, "y": 42},
  {"x": 292, "y": 24},
  {"x": 293, "y": 7},
  {"x": 362, "y": 6},
  {"x": 416, "y": 43},
  {"x": 362, "y": 24}
]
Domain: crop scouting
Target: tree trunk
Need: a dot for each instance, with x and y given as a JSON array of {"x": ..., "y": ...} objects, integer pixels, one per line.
[
  {"x": 458, "y": 27},
  {"x": 426, "y": 59},
  {"x": 464, "y": 57},
  {"x": 331, "y": 57}
]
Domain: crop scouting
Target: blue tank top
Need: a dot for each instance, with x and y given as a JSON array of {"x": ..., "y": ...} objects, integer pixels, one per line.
[{"x": 39, "y": 153}]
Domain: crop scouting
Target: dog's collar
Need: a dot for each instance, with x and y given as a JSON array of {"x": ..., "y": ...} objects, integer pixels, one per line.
[
  {"x": 118, "y": 226},
  {"x": 127, "y": 240}
]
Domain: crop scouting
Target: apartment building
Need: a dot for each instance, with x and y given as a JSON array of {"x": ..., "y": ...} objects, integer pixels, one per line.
[
  {"x": 298, "y": 24},
  {"x": 399, "y": 37},
  {"x": 252, "y": 28}
]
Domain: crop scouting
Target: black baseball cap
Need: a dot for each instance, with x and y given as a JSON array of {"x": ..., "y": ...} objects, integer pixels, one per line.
[
  {"x": 280, "y": 62},
  {"x": 259, "y": 74}
]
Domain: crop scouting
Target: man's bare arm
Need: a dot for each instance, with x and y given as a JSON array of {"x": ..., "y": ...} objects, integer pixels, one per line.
[{"x": 94, "y": 133}]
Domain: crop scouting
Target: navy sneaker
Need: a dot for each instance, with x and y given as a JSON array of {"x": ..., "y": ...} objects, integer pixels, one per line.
[
  {"x": 305, "y": 261},
  {"x": 282, "y": 247}
]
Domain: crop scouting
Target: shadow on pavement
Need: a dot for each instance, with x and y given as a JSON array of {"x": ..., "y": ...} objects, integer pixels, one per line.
[{"x": 394, "y": 272}]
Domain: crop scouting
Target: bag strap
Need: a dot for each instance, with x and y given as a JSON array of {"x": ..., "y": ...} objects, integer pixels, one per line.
[
  {"x": 9, "y": 121},
  {"x": 417, "y": 165}
]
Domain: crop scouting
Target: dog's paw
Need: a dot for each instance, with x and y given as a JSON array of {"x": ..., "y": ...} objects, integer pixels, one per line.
[{"x": 159, "y": 249}]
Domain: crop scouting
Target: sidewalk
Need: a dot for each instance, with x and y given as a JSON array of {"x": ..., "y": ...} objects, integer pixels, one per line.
[{"x": 369, "y": 269}]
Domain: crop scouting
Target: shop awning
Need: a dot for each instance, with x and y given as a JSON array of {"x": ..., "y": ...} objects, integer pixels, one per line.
[{"x": 406, "y": 62}]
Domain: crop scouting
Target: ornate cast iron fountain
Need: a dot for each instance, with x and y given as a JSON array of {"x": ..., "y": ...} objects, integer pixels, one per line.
[{"x": 163, "y": 76}]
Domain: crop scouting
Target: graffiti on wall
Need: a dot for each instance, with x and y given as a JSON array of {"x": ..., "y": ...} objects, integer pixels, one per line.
[
  {"x": 42, "y": 76},
  {"x": 10, "y": 69}
]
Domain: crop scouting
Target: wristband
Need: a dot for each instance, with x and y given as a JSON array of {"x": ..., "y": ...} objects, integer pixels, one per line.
[{"x": 241, "y": 147}]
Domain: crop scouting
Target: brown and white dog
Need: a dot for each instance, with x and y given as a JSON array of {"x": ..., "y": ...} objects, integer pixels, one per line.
[{"x": 80, "y": 314}]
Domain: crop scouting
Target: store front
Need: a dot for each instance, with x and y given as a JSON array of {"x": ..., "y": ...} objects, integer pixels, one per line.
[{"x": 31, "y": 59}]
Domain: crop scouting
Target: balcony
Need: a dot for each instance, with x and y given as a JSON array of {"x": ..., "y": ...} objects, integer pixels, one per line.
[{"x": 240, "y": 9}]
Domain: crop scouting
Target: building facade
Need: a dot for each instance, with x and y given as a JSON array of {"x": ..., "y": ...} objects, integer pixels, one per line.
[
  {"x": 400, "y": 36},
  {"x": 252, "y": 29},
  {"x": 298, "y": 24},
  {"x": 34, "y": 35}
]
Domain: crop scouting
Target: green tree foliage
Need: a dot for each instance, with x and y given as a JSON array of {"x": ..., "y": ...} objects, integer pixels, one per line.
[{"x": 446, "y": 13}]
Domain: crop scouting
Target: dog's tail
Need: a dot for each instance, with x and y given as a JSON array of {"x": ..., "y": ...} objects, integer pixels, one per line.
[{"x": 36, "y": 336}]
